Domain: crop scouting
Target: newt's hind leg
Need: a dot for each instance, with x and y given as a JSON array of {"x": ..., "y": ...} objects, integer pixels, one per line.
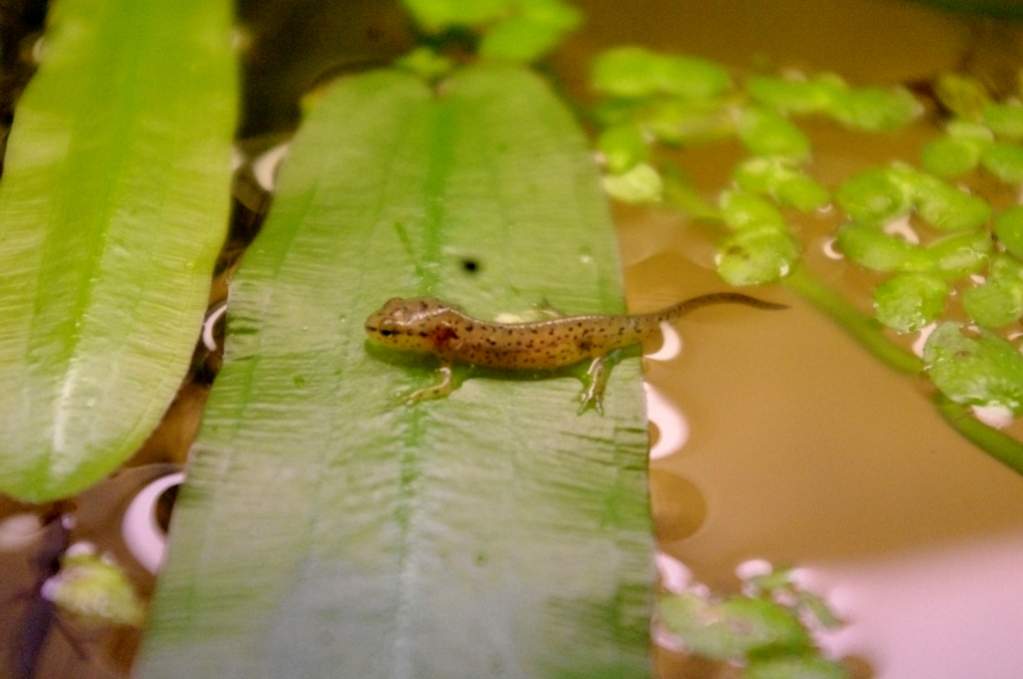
[{"x": 444, "y": 386}]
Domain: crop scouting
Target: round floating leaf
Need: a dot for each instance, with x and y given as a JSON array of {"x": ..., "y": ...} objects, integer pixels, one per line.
[
  {"x": 791, "y": 95},
  {"x": 623, "y": 147},
  {"x": 807, "y": 666},
  {"x": 950, "y": 156},
  {"x": 999, "y": 300},
  {"x": 783, "y": 181},
  {"x": 637, "y": 72},
  {"x": 678, "y": 121},
  {"x": 426, "y": 63},
  {"x": 982, "y": 370},
  {"x": 437, "y": 15},
  {"x": 956, "y": 255},
  {"x": 757, "y": 255},
  {"x": 1009, "y": 229},
  {"x": 964, "y": 96},
  {"x": 873, "y": 248},
  {"x": 732, "y": 629},
  {"x": 766, "y": 133},
  {"x": 1005, "y": 120},
  {"x": 872, "y": 196},
  {"x": 908, "y": 302},
  {"x": 875, "y": 109},
  {"x": 641, "y": 184},
  {"x": 741, "y": 210},
  {"x": 529, "y": 35},
  {"x": 1004, "y": 161},
  {"x": 940, "y": 204}
]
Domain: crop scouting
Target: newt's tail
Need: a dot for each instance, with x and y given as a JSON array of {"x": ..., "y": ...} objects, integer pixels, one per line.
[{"x": 692, "y": 304}]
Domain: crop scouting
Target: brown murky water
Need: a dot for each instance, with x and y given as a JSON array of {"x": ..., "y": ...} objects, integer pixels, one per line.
[{"x": 780, "y": 438}]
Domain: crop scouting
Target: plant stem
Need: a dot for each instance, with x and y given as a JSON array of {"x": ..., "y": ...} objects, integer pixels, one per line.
[
  {"x": 998, "y": 445},
  {"x": 864, "y": 329}
]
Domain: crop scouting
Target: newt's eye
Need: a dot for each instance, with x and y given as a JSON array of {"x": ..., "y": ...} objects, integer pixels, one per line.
[{"x": 387, "y": 333}]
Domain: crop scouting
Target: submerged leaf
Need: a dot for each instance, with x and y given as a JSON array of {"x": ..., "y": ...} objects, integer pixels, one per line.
[
  {"x": 328, "y": 529},
  {"x": 1005, "y": 120},
  {"x": 999, "y": 300},
  {"x": 966, "y": 97},
  {"x": 1004, "y": 161},
  {"x": 783, "y": 181},
  {"x": 1009, "y": 229},
  {"x": 113, "y": 205},
  {"x": 96, "y": 590}
]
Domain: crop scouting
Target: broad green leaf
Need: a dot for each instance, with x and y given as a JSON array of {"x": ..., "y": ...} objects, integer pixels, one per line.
[
  {"x": 327, "y": 529},
  {"x": 113, "y": 206}
]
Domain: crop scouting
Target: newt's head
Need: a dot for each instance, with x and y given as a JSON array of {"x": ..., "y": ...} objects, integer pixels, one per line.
[{"x": 411, "y": 324}]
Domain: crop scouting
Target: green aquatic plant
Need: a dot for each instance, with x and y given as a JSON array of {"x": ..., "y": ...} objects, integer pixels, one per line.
[
  {"x": 491, "y": 532},
  {"x": 507, "y": 30},
  {"x": 113, "y": 205},
  {"x": 757, "y": 245},
  {"x": 766, "y": 630}
]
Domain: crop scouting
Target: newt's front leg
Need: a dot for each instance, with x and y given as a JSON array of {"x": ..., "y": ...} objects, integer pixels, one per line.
[{"x": 442, "y": 388}]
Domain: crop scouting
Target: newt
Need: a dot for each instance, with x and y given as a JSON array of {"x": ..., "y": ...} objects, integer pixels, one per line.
[{"x": 426, "y": 325}]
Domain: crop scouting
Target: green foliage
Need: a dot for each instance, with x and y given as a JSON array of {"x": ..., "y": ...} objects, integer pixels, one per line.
[
  {"x": 623, "y": 147},
  {"x": 734, "y": 628},
  {"x": 964, "y": 96},
  {"x": 757, "y": 255},
  {"x": 635, "y": 72},
  {"x": 981, "y": 370},
  {"x": 741, "y": 210},
  {"x": 512, "y": 30},
  {"x": 426, "y": 63},
  {"x": 872, "y": 109},
  {"x": 999, "y": 300},
  {"x": 872, "y": 196},
  {"x": 534, "y": 29},
  {"x": 640, "y": 184},
  {"x": 685, "y": 121},
  {"x": 795, "y": 667},
  {"x": 880, "y": 194},
  {"x": 959, "y": 151},
  {"x": 113, "y": 206},
  {"x": 437, "y": 539},
  {"x": 876, "y": 250},
  {"x": 766, "y": 133},
  {"x": 1005, "y": 120},
  {"x": 796, "y": 95},
  {"x": 1004, "y": 161},
  {"x": 875, "y": 109},
  {"x": 1009, "y": 229},
  {"x": 783, "y": 181},
  {"x": 908, "y": 302},
  {"x": 97, "y": 590}
]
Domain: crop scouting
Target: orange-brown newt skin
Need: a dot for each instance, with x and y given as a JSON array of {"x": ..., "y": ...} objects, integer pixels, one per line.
[{"x": 429, "y": 326}]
